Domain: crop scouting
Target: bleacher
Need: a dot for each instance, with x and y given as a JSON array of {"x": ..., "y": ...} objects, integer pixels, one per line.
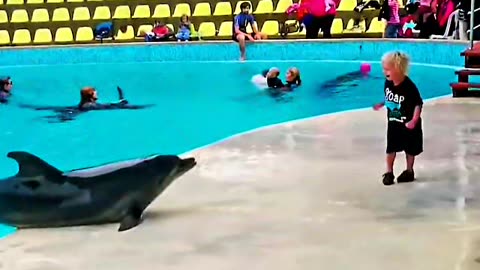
[{"x": 31, "y": 22}]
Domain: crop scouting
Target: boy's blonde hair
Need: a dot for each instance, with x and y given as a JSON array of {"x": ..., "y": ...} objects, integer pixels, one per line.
[{"x": 399, "y": 60}]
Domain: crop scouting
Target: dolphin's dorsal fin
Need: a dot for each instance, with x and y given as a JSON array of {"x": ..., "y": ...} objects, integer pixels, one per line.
[{"x": 32, "y": 166}]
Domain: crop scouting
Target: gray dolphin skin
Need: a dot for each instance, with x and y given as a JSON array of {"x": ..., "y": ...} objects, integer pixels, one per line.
[{"x": 41, "y": 196}]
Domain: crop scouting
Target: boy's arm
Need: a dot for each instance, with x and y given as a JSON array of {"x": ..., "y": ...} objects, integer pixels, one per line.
[
  {"x": 418, "y": 105},
  {"x": 417, "y": 113},
  {"x": 254, "y": 24},
  {"x": 237, "y": 26}
]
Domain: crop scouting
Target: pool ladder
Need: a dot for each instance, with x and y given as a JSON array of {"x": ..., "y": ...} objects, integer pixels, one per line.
[{"x": 463, "y": 87}]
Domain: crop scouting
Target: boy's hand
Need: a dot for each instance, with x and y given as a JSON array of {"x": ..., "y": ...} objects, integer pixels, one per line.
[
  {"x": 378, "y": 106},
  {"x": 411, "y": 124},
  {"x": 250, "y": 37}
]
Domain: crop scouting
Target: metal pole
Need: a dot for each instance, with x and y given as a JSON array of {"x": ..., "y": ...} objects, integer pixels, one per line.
[{"x": 472, "y": 14}]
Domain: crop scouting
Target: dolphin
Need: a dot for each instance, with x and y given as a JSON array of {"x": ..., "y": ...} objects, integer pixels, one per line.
[{"x": 42, "y": 196}]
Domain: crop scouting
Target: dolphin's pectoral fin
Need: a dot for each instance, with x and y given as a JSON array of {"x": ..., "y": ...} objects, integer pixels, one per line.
[
  {"x": 132, "y": 219},
  {"x": 33, "y": 166}
]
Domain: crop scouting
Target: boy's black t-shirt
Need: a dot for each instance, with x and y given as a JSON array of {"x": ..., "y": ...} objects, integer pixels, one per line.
[
  {"x": 275, "y": 83},
  {"x": 401, "y": 100}
]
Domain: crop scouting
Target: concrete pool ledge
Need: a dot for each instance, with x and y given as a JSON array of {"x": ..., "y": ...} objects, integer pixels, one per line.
[
  {"x": 302, "y": 195},
  {"x": 421, "y": 51}
]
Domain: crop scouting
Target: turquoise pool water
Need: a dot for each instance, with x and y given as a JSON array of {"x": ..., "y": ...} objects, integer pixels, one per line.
[{"x": 197, "y": 103}]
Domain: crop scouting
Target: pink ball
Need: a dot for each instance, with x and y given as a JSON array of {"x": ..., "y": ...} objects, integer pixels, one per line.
[{"x": 365, "y": 68}]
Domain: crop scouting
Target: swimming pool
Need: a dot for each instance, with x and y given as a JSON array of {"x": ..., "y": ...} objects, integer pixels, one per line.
[{"x": 197, "y": 101}]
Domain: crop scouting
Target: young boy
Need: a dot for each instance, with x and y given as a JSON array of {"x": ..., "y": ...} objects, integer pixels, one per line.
[
  {"x": 404, "y": 106},
  {"x": 240, "y": 23}
]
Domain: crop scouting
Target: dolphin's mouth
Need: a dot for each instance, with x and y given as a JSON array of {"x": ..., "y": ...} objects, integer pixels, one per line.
[{"x": 186, "y": 164}]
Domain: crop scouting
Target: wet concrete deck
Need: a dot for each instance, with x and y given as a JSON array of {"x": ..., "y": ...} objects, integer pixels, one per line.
[{"x": 305, "y": 195}]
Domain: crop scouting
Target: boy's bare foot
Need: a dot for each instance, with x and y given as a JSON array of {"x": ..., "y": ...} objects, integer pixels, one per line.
[{"x": 243, "y": 58}]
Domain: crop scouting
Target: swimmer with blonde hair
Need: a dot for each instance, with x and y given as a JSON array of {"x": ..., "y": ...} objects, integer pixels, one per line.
[{"x": 404, "y": 107}]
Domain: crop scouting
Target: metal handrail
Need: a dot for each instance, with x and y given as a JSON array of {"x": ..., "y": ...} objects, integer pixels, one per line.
[
  {"x": 473, "y": 11},
  {"x": 472, "y": 15},
  {"x": 477, "y": 26}
]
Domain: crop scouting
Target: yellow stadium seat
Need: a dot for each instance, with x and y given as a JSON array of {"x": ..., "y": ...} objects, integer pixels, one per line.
[
  {"x": 102, "y": 13},
  {"x": 54, "y": 1},
  {"x": 270, "y": 28},
  {"x": 194, "y": 31},
  {"x": 298, "y": 33},
  {"x": 225, "y": 29},
  {"x": 40, "y": 15},
  {"x": 264, "y": 7},
  {"x": 237, "y": 7},
  {"x": 14, "y": 2},
  {"x": 122, "y": 12},
  {"x": 347, "y": 5},
  {"x": 42, "y": 35},
  {"x": 350, "y": 29},
  {"x": 21, "y": 36},
  {"x": 142, "y": 11},
  {"x": 64, "y": 34},
  {"x": 207, "y": 29},
  {"x": 4, "y": 37},
  {"x": 169, "y": 25},
  {"x": 282, "y": 6},
  {"x": 84, "y": 34},
  {"x": 81, "y": 14},
  {"x": 376, "y": 26},
  {"x": 202, "y": 9},
  {"x": 19, "y": 16},
  {"x": 400, "y": 2},
  {"x": 222, "y": 8},
  {"x": 181, "y": 9},
  {"x": 129, "y": 34},
  {"x": 143, "y": 29},
  {"x": 74, "y": 1},
  {"x": 337, "y": 26},
  {"x": 161, "y": 11},
  {"x": 34, "y": 2},
  {"x": 60, "y": 15},
  {"x": 3, "y": 16}
]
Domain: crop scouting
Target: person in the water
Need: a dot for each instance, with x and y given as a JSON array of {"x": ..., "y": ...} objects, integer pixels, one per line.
[
  {"x": 88, "y": 102},
  {"x": 6, "y": 85},
  {"x": 277, "y": 87}
]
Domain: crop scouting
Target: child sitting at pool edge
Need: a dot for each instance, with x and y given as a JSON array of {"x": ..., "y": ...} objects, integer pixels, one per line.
[{"x": 404, "y": 107}]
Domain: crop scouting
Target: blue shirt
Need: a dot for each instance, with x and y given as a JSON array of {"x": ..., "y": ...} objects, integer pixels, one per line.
[{"x": 241, "y": 21}]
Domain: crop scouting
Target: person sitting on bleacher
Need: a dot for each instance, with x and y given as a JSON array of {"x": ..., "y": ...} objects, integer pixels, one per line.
[
  {"x": 6, "y": 85},
  {"x": 436, "y": 23},
  {"x": 160, "y": 32},
  {"x": 104, "y": 30},
  {"x": 240, "y": 23},
  {"x": 184, "y": 29}
]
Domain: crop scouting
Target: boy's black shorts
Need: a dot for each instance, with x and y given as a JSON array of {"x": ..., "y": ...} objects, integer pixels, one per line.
[
  {"x": 400, "y": 138},
  {"x": 234, "y": 36}
]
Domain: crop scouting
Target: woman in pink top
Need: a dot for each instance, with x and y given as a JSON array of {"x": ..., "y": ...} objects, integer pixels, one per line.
[
  {"x": 436, "y": 23},
  {"x": 320, "y": 16},
  {"x": 393, "y": 23},
  {"x": 444, "y": 10}
]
